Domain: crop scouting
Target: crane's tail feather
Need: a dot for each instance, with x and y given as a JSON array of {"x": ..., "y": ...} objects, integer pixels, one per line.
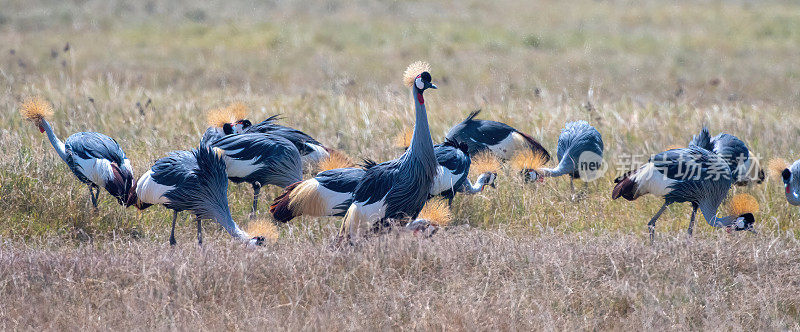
[
  {"x": 625, "y": 187},
  {"x": 472, "y": 115},
  {"x": 280, "y": 206},
  {"x": 299, "y": 198}
]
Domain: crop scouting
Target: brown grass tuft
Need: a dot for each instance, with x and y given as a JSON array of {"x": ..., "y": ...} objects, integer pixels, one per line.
[
  {"x": 526, "y": 159},
  {"x": 336, "y": 159},
  {"x": 265, "y": 228},
  {"x": 436, "y": 212},
  {"x": 743, "y": 203},
  {"x": 413, "y": 71},
  {"x": 776, "y": 167},
  {"x": 484, "y": 161},
  {"x": 403, "y": 139},
  {"x": 36, "y": 109}
]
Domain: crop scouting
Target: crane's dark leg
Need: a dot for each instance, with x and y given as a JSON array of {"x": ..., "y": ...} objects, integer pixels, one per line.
[
  {"x": 92, "y": 196},
  {"x": 572, "y": 185},
  {"x": 652, "y": 224},
  {"x": 172, "y": 241},
  {"x": 199, "y": 231},
  {"x": 691, "y": 221},
  {"x": 256, "y": 193}
]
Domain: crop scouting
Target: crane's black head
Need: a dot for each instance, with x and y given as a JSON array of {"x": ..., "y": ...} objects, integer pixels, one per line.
[
  {"x": 243, "y": 124},
  {"x": 532, "y": 175},
  {"x": 227, "y": 129},
  {"x": 423, "y": 82},
  {"x": 745, "y": 222}
]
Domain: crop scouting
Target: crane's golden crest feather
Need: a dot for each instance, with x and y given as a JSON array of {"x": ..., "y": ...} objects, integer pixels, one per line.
[
  {"x": 483, "y": 162},
  {"x": 219, "y": 117},
  {"x": 403, "y": 139},
  {"x": 776, "y": 167},
  {"x": 336, "y": 159},
  {"x": 238, "y": 110},
  {"x": 413, "y": 71},
  {"x": 36, "y": 109},
  {"x": 743, "y": 203},
  {"x": 263, "y": 228},
  {"x": 528, "y": 160},
  {"x": 436, "y": 212}
]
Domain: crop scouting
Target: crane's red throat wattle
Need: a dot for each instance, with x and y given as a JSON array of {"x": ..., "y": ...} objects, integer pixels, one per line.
[
  {"x": 41, "y": 129},
  {"x": 419, "y": 97}
]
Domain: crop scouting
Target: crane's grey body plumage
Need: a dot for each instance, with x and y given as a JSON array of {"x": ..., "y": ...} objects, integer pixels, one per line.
[
  {"x": 193, "y": 181},
  {"x": 310, "y": 149},
  {"x": 575, "y": 139},
  {"x": 264, "y": 158},
  {"x": 96, "y": 160},
  {"x": 260, "y": 159},
  {"x": 691, "y": 174},
  {"x": 497, "y": 137},
  {"x": 730, "y": 148}
]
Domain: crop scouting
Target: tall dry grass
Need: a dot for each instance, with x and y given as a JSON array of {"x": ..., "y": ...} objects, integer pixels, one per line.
[{"x": 647, "y": 75}]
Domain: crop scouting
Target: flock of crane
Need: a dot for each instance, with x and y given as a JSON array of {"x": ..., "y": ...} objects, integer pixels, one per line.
[{"x": 372, "y": 196}]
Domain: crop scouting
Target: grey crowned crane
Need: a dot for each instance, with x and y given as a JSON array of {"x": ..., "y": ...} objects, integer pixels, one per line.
[
  {"x": 693, "y": 175},
  {"x": 499, "y": 138},
  {"x": 311, "y": 151},
  {"x": 791, "y": 182},
  {"x": 735, "y": 152},
  {"x": 330, "y": 193},
  {"x": 95, "y": 159},
  {"x": 579, "y": 145},
  {"x": 224, "y": 121},
  {"x": 193, "y": 181},
  {"x": 398, "y": 188},
  {"x": 260, "y": 159}
]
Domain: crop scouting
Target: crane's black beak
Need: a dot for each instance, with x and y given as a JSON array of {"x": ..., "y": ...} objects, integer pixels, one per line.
[{"x": 432, "y": 86}]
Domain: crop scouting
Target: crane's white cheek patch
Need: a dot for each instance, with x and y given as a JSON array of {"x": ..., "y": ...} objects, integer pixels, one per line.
[
  {"x": 151, "y": 192},
  {"x": 418, "y": 82},
  {"x": 445, "y": 180},
  {"x": 650, "y": 180},
  {"x": 238, "y": 168},
  {"x": 96, "y": 170}
]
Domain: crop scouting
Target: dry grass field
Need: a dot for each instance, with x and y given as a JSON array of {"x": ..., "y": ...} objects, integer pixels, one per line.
[{"x": 521, "y": 256}]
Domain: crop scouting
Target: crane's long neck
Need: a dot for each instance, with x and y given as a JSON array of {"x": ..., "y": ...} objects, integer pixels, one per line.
[
  {"x": 231, "y": 227},
  {"x": 558, "y": 171},
  {"x": 421, "y": 148},
  {"x": 421, "y": 141},
  {"x": 471, "y": 189},
  {"x": 710, "y": 214},
  {"x": 791, "y": 194},
  {"x": 57, "y": 144}
]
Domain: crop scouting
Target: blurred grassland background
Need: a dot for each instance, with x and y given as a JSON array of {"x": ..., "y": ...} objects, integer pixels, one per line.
[{"x": 647, "y": 74}]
